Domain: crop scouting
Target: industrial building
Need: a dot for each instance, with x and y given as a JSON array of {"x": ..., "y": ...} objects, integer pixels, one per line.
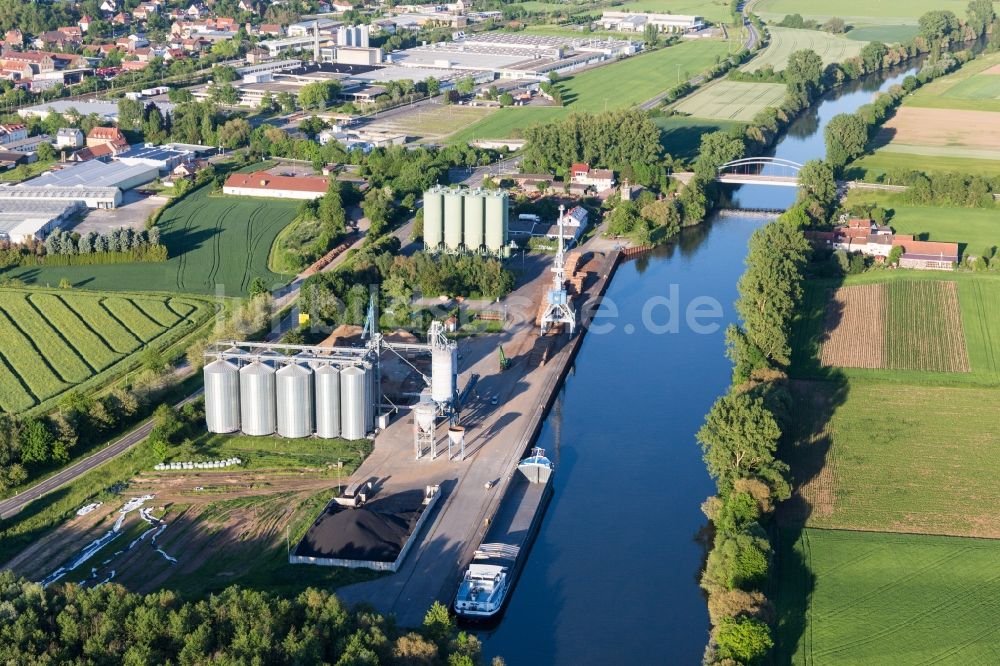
[
  {"x": 24, "y": 221},
  {"x": 106, "y": 111},
  {"x": 92, "y": 197},
  {"x": 97, "y": 174},
  {"x": 164, "y": 158},
  {"x": 461, "y": 220},
  {"x": 637, "y": 22},
  {"x": 264, "y": 184}
]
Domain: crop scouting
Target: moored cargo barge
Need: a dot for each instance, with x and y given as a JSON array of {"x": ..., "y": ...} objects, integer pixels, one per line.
[{"x": 489, "y": 580}]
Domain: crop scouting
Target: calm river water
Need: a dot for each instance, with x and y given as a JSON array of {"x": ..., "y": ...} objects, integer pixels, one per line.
[{"x": 613, "y": 575}]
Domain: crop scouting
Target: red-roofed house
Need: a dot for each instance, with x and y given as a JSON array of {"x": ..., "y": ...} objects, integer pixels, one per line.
[
  {"x": 107, "y": 136},
  {"x": 13, "y": 132},
  {"x": 599, "y": 179},
  {"x": 264, "y": 184},
  {"x": 84, "y": 23},
  {"x": 927, "y": 255}
]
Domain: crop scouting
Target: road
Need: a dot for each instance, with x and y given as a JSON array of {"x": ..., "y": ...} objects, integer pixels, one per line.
[
  {"x": 13, "y": 505},
  {"x": 749, "y": 45}
]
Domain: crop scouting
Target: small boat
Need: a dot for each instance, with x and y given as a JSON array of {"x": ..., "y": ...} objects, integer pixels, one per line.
[{"x": 487, "y": 583}]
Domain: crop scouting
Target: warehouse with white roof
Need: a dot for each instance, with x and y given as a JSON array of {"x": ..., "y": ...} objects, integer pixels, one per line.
[{"x": 23, "y": 221}]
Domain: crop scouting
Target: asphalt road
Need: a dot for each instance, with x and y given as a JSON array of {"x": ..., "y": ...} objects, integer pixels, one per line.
[{"x": 13, "y": 505}]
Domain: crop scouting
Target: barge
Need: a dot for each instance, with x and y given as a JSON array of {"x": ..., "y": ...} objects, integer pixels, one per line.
[{"x": 487, "y": 584}]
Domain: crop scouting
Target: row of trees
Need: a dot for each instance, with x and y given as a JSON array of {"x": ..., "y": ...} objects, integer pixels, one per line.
[
  {"x": 109, "y": 624},
  {"x": 66, "y": 248},
  {"x": 341, "y": 297},
  {"x": 740, "y": 440}
]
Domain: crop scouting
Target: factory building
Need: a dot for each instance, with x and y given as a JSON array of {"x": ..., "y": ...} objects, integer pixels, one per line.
[
  {"x": 92, "y": 197},
  {"x": 356, "y": 36},
  {"x": 97, "y": 174},
  {"x": 24, "y": 221},
  {"x": 637, "y": 22},
  {"x": 461, "y": 220}
]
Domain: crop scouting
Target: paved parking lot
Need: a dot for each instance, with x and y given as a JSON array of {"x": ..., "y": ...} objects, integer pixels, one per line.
[{"x": 134, "y": 211}]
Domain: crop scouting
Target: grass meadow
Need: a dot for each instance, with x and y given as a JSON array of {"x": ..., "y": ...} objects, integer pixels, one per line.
[
  {"x": 786, "y": 41},
  {"x": 613, "y": 86},
  {"x": 887, "y": 34},
  {"x": 858, "y": 12},
  {"x": 731, "y": 100},
  {"x": 974, "y": 87},
  {"x": 925, "y": 158},
  {"x": 53, "y": 341},
  {"x": 682, "y": 135},
  {"x": 212, "y": 240},
  {"x": 866, "y": 598}
]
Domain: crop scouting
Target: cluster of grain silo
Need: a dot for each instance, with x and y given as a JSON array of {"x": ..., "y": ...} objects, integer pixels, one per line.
[
  {"x": 462, "y": 220},
  {"x": 267, "y": 393}
]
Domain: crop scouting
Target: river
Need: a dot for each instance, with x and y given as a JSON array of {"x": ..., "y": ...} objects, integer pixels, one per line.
[{"x": 613, "y": 575}]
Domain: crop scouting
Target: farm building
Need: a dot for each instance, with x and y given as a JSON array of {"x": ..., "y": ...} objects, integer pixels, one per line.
[
  {"x": 866, "y": 237},
  {"x": 264, "y": 184},
  {"x": 23, "y": 221},
  {"x": 926, "y": 255},
  {"x": 599, "y": 179}
]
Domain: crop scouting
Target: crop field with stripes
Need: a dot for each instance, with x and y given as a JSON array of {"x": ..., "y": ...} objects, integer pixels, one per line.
[
  {"x": 53, "y": 341},
  {"x": 786, "y": 41},
  {"x": 731, "y": 100}
]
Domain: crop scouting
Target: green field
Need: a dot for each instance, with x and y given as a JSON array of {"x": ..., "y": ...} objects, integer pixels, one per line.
[
  {"x": 973, "y": 228},
  {"x": 920, "y": 158},
  {"x": 858, "y": 12},
  {"x": 863, "y": 598},
  {"x": 887, "y": 34},
  {"x": 682, "y": 135},
  {"x": 52, "y": 341},
  {"x": 716, "y": 11},
  {"x": 971, "y": 88},
  {"x": 613, "y": 86},
  {"x": 731, "y": 100},
  {"x": 217, "y": 244},
  {"x": 786, "y": 41},
  {"x": 892, "y": 457}
]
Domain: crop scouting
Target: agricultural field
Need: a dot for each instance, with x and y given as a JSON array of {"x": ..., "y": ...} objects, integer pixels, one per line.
[
  {"x": 858, "y": 12},
  {"x": 786, "y": 41},
  {"x": 895, "y": 326},
  {"x": 715, "y": 11},
  {"x": 974, "y": 228},
  {"x": 223, "y": 527},
  {"x": 54, "y": 341},
  {"x": 617, "y": 85},
  {"x": 890, "y": 457},
  {"x": 682, "y": 135},
  {"x": 864, "y": 598},
  {"x": 979, "y": 307},
  {"x": 731, "y": 100},
  {"x": 432, "y": 123},
  {"x": 887, "y": 34},
  {"x": 951, "y": 124},
  {"x": 217, "y": 244}
]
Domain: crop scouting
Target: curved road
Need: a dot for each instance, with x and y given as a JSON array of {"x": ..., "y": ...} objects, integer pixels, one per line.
[{"x": 12, "y": 505}]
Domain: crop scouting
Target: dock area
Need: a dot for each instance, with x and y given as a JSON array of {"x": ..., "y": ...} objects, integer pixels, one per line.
[{"x": 497, "y": 437}]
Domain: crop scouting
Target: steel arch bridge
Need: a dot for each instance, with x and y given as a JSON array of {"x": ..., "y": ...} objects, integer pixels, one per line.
[{"x": 760, "y": 171}]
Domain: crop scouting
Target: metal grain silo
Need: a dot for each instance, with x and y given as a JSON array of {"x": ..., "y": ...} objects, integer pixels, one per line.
[
  {"x": 473, "y": 225},
  {"x": 222, "y": 397},
  {"x": 327, "y": 390},
  {"x": 453, "y": 220},
  {"x": 433, "y": 218},
  {"x": 444, "y": 365},
  {"x": 295, "y": 401},
  {"x": 496, "y": 222},
  {"x": 257, "y": 399},
  {"x": 353, "y": 401}
]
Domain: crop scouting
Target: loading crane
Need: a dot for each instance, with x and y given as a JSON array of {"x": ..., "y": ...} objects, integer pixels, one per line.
[
  {"x": 558, "y": 309},
  {"x": 504, "y": 361}
]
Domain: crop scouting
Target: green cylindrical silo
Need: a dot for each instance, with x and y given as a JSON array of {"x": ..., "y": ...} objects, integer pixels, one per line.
[
  {"x": 453, "y": 220},
  {"x": 433, "y": 218},
  {"x": 475, "y": 220},
  {"x": 496, "y": 222}
]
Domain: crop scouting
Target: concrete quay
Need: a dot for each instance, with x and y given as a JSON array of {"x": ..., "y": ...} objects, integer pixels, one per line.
[{"x": 496, "y": 439}]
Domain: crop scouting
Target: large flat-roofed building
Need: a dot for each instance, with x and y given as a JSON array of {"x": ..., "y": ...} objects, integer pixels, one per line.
[
  {"x": 92, "y": 197},
  {"x": 164, "y": 158},
  {"x": 97, "y": 174},
  {"x": 637, "y": 22},
  {"x": 264, "y": 184},
  {"x": 106, "y": 111},
  {"x": 23, "y": 221}
]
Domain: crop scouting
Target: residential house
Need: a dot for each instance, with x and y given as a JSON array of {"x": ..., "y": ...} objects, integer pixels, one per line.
[
  {"x": 16, "y": 71},
  {"x": 145, "y": 11},
  {"x": 341, "y": 6},
  {"x": 108, "y": 7},
  {"x": 197, "y": 10},
  {"x": 72, "y": 31},
  {"x": 111, "y": 137},
  {"x": 247, "y": 6},
  {"x": 69, "y": 137},
  {"x": 84, "y": 23},
  {"x": 55, "y": 39},
  {"x": 14, "y": 38},
  {"x": 39, "y": 61},
  {"x": 63, "y": 61},
  {"x": 121, "y": 18},
  {"x": 144, "y": 54},
  {"x": 12, "y": 132},
  {"x": 134, "y": 66},
  {"x": 865, "y": 237},
  {"x": 270, "y": 30},
  {"x": 598, "y": 179}
]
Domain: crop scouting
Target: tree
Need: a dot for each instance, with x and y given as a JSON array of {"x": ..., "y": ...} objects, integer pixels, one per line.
[
  {"x": 312, "y": 126},
  {"x": 465, "y": 85},
  {"x": 331, "y": 208},
  {"x": 980, "y": 15},
  {"x": 937, "y": 24},
  {"x": 45, "y": 152},
  {"x": 744, "y": 639},
  {"x": 318, "y": 95},
  {"x": 739, "y": 439},
  {"x": 234, "y": 133},
  {"x": 872, "y": 55},
  {"x": 803, "y": 73},
  {"x": 846, "y": 137},
  {"x": 433, "y": 86},
  {"x": 817, "y": 189},
  {"x": 286, "y": 101},
  {"x": 36, "y": 442},
  {"x": 130, "y": 114},
  {"x": 225, "y": 94},
  {"x": 718, "y": 148},
  {"x": 894, "y": 255},
  {"x": 835, "y": 25},
  {"x": 257, "y": 287},
  {"x": 152, "y": 359},
  {"x": 651, "y": 34},
  {"x": 506, "y": 99}
]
